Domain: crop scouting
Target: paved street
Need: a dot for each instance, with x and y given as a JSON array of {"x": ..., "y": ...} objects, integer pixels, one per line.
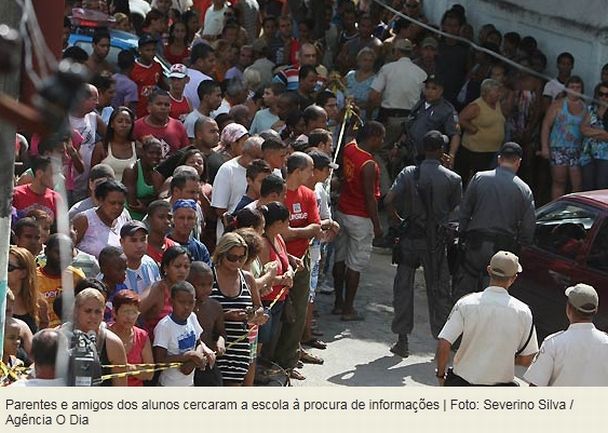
[{"x": 358, "y": 352}]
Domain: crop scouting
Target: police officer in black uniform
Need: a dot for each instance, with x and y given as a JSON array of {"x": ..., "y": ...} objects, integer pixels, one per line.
[
  {"x": 427, "y": 193},
  {"x": 497, "y": 213}
]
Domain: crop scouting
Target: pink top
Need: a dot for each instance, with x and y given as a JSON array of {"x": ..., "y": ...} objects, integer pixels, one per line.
[
  {"x": 166, "y": 309},
  {"x": 140, "y": 336}
]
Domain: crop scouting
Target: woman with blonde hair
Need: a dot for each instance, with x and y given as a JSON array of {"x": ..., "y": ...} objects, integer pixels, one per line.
[
  {"x": 89, "y": 306},
  {"x": 232, "y": 288},
  {"x": 29, "y": 305}
]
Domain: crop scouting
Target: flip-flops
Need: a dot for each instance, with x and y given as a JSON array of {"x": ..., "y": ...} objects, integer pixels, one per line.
[
  {"x": 308, "y": 358},
  {"x": 316, "y": 343}
]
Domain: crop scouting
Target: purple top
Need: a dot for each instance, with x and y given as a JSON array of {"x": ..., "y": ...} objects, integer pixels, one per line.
[{"x": 126, "y": 91}]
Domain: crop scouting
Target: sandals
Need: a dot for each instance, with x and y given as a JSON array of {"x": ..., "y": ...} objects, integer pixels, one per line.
[
  {"x": 316, "y": 343},
  {"x": 296, "y": 375},
  {"x": 309, "y": 358}
]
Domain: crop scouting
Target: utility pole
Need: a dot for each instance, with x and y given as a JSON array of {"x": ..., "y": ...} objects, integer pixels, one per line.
[{"x": 9, "y": 85}]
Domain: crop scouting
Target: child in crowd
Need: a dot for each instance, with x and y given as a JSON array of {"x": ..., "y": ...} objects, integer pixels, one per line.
[
  {"x": 177, "y": 338},
  {"x": 268, "y": 118},
  {"x": 321, "y": 171},
  {"x": 256, "y": 172},
  {"x": 211, "y": 318},
  {"x": 159, "y": 223},
  {"x": 146, "y": 72},
  {"x": 142, "y": 270},
  {"x": 113, "y": 264}
]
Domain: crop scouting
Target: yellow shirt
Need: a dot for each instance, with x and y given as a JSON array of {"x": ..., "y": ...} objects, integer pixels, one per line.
[
  {"x": 490, "y": 124},
  {"x": 50, "y": 288}
]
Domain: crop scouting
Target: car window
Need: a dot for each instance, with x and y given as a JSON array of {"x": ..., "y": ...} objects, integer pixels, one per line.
[
  {"x": 562, "y": 228},
  {"x": 598, "y": 256}
]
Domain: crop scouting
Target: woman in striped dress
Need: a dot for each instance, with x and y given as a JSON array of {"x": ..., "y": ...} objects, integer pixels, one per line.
[{"x": 231, "y": 288}]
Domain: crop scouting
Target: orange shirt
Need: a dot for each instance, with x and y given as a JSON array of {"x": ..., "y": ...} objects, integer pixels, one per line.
[
  {"x": 352, "y": 197},
  {"x": 50, "y": 287}
]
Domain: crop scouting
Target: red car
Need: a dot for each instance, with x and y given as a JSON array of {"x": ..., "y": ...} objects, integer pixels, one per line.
[{"x": 570, "y": 246}]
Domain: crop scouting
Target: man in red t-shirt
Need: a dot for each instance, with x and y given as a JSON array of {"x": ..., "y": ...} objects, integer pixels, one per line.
[
  {"x": 357, "y": 215},
  {"x": 178, "y": 78},
  {"x": 146, "y": 72},
  {"x": 304, "y": 224},
  {"x": 169, "y": 131},
  {"x": 38, "y": 194}
]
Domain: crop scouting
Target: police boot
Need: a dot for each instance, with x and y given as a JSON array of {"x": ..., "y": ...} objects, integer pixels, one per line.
[{"x": 400, "y": 348}]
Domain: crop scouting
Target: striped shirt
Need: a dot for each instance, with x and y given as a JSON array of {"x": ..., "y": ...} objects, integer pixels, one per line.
[{"x": 235, "y": 362}]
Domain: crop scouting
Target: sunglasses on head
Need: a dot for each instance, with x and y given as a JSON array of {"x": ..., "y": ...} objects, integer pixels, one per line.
[
  {"x": 234, "y": 258},
  {"x": 12, "y": 267}
]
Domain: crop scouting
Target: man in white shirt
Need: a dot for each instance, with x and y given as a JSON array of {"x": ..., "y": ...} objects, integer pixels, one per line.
[
  {"x": 565, "y": 64},
  {"x": 577, "y": 356},
  {"x": 210, "y": 96},
  {"x": 214, "y": 18},
  {"x": 202, "y": 67},
  {"x": 497, "y": 332},
  {"x": 396, "y": 89},
  {"x": 230, "y": 182}
]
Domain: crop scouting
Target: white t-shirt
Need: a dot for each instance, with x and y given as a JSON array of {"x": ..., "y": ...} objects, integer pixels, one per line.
[
  {"x": 190, "y": 122},
  {"x": 553, "y": 88},
  {"x": 214, "y": 21},
  {"x": 322, "y": 201},
  {"x": 177, "y": 339},
  {"x": 87, "y": 127},
  {"x": 191, "y": 89},
  {"x": 229, "y": 187},
  {"x": 224, "y": 108}
]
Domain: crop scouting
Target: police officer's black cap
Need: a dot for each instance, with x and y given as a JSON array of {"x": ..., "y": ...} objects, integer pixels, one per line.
[
  {"x": 434, "y": 140},
  {"x": 511, "y": 149},
  {"x": 434, "y": 79}
]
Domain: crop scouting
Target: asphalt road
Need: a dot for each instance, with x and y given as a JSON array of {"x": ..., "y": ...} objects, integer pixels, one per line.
[{"x": 358, "y": 353}]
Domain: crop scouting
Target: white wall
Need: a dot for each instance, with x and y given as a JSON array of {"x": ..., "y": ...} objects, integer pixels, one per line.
[{"x": 557, "y": 25}]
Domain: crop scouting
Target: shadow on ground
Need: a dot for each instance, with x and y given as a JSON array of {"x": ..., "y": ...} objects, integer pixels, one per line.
[{"x": 385, "y": 371}]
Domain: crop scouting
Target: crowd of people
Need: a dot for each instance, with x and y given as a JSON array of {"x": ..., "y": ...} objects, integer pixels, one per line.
[{"x": 208, "y": 201}]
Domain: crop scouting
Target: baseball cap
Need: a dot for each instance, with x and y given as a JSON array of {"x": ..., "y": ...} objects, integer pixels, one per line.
[
  {"x": 233, "y": 132},
  {"x": 178, "y": 71},
  {"x": 145, "y": 39},
  {"x": 322, "y": 160},
  {"x": 403, "y": 45},
  {"x": 511, "y": 148},
  {"x": 583, "y": 297},
  {"x": 429, "y": 42},
  {"x": 131, "y": 227},
  {"x": 505, "y": 264},
  {"x": 434, "y": 79},
  {"x": 434, "y": 140}
]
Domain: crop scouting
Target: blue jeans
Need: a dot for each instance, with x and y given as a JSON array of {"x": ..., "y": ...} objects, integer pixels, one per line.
[{"x": 268, "y": 334}]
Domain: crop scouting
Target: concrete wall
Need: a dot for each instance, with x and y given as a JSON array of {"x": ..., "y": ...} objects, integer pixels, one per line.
[{"x": 580, "y": 27}]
